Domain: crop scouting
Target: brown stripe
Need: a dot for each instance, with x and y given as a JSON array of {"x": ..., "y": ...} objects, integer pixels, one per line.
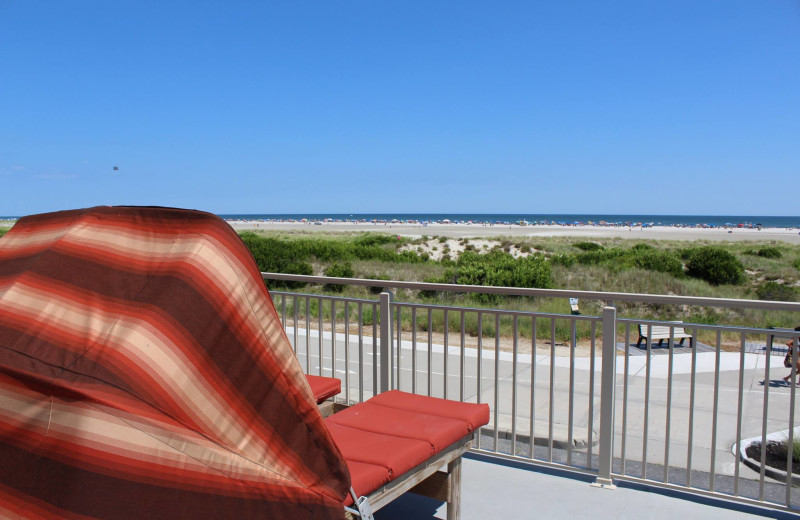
[
  {"x": 117, "y": 499},
  {"x": 49, "y": 361},
  {"x": 195, "y": 314}
]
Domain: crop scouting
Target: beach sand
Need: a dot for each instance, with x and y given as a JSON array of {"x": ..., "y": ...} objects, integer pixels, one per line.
[{"x": 791, "y": 236}]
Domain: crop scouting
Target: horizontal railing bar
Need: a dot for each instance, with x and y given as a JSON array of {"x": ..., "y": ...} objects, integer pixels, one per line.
[
  {"x": 548, "y": 293},
  {"x": 526, "y": 314},
  {"x": 324, "y": 297}
]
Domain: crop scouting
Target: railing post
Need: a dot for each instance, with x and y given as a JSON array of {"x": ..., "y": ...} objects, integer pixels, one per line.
[
  {"x": 607, "y": 387},
  {"x": 385, "y": 352}
]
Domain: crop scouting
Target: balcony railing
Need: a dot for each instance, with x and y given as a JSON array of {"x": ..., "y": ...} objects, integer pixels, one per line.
[{"x": 672, "y": 416}]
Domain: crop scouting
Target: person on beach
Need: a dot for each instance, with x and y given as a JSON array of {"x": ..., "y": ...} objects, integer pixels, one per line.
[{"x": 787, "y": 361}]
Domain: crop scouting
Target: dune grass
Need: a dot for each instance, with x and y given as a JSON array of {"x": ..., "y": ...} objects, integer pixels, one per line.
[{"x": 614, "y": 265}]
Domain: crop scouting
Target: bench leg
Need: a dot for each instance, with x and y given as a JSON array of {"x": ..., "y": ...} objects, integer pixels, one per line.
[
  {"x": 639, "y": 342},
  {"x": 681, "y": 343},
  {"x": 454, "y": 504}
]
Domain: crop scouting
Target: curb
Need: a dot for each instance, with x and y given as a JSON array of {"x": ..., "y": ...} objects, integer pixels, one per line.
[{"x": 740, "y": 450}]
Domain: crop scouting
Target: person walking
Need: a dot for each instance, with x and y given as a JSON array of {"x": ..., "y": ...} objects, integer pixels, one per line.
[{"x": 787, "y": 361}]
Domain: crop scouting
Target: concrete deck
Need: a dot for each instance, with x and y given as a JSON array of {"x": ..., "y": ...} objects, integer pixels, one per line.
[{"x": 500, "y": 490}]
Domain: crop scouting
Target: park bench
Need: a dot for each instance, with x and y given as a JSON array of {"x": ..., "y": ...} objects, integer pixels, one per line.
[{"x": 662, "y": 332}]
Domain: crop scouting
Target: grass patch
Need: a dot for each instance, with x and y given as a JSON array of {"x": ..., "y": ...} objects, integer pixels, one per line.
[{"x": 617, "y": 265}]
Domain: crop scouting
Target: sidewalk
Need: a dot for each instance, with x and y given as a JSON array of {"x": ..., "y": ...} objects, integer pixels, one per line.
[{"x": 492, "y": 491}]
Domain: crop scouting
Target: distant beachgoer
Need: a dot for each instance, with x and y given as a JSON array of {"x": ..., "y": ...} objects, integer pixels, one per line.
[{"x": 787, "y": 361}]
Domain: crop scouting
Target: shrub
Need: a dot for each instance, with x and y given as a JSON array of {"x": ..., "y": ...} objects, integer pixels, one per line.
[
  {"x": 278, "y": 257},
  {"x": 297, "y": 268},
  {"x": 374, "y": 239},
  {"x": 774, "y": 291},
  {"x": 498, "y": 269},
  {"x": 376, "y": 289},
  {"x": 769, "y": 252},
  {"x": 598, "y": 257},
  {"x": 714, "y": 265},
  {"x": 338, "y": 271},
  {"x": 274, "y": 255},
  {"x": 409, "y": 257},
  {"x": 565, "y": 260},
  {"x": 640, "y": 256},
  {"x": 652, "y": 260},
  {"x": 796, "y": 264},
  {"x": 765, "y": 252},
  {"x": 589, "y": 246}
]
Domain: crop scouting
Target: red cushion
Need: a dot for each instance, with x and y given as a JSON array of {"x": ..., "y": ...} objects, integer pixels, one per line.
[
  {"x": 365, "y": 478},
  {"x": 476, "y": 415},
  {"x": 437, "y": 432},
  {"x": 324, "y": 387},
  {"x": 396, "y": 454},
  {"x": 396, "y": 431}
]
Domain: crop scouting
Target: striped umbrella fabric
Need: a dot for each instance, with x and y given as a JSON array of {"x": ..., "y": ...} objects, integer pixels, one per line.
[{"x": 145, "y": 374}]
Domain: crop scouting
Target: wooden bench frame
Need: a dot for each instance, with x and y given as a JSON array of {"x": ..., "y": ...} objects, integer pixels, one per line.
[
  {"x": 427, "y": 480},
  {"x": 662, "y": 332}
]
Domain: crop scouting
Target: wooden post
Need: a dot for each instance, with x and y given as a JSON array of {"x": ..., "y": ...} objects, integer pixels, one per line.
[{"x": 454, "y": 502}]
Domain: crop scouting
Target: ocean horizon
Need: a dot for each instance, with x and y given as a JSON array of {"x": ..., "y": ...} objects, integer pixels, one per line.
[
  {"x": 532, "y": 218},
  {"x": 788, "y": 222}
]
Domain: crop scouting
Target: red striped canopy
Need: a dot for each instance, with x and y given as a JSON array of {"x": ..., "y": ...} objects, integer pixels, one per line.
[{"x": 144, "y": 374}]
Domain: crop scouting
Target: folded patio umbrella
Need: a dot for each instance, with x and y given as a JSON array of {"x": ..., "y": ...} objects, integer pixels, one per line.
[{"x": 144, "y": 374}]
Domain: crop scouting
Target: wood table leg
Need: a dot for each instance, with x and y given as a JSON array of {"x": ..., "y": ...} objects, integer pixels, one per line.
[{"x": 454, "y": 504}]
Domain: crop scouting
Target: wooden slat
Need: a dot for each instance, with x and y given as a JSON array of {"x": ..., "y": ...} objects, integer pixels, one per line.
[{"x": 412, "y": 478}]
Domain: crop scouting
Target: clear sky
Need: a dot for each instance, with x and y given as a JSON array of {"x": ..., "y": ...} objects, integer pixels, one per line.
[{"x": 667, "y": 107}]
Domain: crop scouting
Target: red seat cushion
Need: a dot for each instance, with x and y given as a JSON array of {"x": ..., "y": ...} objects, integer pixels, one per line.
[
  {"x": 324, "y": 387},
  {"x": 476, "y": 415},
  {"x": 365, "y": 478},
  {"x": 397, "y": 431},
  {"x": 396, "y": 454},
  {"x": 437, "y": 432}
]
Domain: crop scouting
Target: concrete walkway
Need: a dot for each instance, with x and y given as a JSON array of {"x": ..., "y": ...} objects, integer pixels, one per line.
[{"x": 494, "y": 491}]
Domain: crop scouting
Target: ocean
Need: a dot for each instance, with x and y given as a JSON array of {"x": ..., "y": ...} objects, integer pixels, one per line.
[
  {"x": 529, "y": 218},
  {"x": 560, "y": 219}
]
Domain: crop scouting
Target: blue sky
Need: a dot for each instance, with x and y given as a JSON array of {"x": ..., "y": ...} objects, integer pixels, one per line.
[{"x": 667, "y": 107}]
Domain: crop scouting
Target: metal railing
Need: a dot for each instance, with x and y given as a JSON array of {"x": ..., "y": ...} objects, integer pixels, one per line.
[{"x": 684, "y": 417}]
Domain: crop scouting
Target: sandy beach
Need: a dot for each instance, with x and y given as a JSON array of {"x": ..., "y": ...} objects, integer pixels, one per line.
[{"x": 791, "y": 236}]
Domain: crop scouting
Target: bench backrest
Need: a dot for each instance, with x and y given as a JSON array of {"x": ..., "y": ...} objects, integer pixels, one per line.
[{"x": 660, "y": 331}]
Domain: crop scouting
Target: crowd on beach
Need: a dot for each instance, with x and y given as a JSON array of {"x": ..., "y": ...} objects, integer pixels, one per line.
[{"x": 490, "y": 223}]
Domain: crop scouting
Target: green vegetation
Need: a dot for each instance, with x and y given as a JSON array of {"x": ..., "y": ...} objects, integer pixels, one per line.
[
  {"x": 765, "y": 252},
  {"x": 499, "y": 269},
  {"x": 589, "y": 246},
  {"x": 723, "y": 270},
  {"x": 642, "y": 256},
  {"x": 3, "y": 231},
  {"x": 796, "y": 450},
  {"x": 344, "y": 270},
  {"x": 715, "y": 265},
  {"x": 774, "y": 291}
]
